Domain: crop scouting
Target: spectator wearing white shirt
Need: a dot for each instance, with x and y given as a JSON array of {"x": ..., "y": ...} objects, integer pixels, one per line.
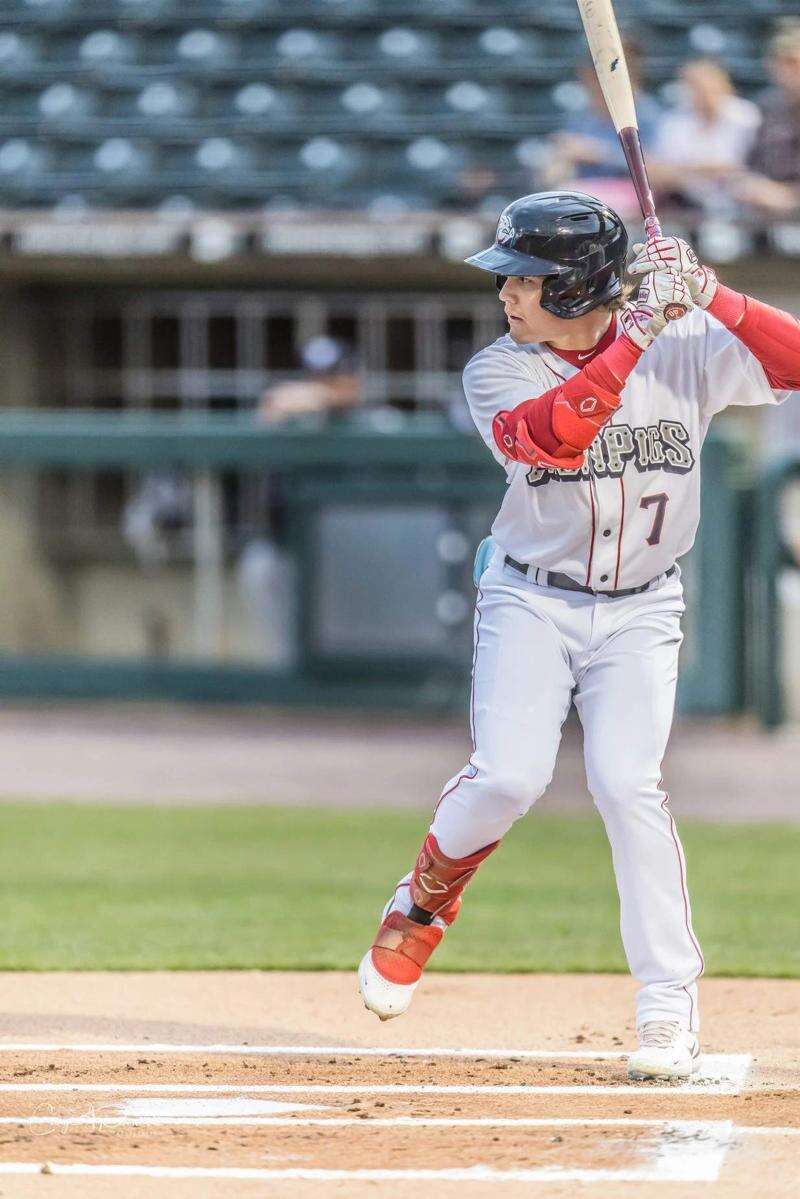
[{"x": 702, "y": 146}]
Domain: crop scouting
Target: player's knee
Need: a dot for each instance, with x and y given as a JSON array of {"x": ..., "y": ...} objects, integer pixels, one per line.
[
  {"x": 615, "y": 784},
  {"x": 516, "y": 789}
]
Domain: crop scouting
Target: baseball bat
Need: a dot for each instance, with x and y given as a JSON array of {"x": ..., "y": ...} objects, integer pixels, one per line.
[{"x": 608, "y": 56}]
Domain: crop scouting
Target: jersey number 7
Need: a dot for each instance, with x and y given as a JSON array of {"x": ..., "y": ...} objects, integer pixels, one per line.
[{"x": 660, "y": 502}]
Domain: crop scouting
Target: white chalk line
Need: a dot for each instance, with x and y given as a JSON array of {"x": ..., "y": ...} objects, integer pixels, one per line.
[
  {"x": 318, "y": 1051},
  {"x": 627, "y": 1089},
  {"x": 326, "y": 1088},
  {"x": 100, "y": 1120},
  {"x": 759, "y": 1130}
]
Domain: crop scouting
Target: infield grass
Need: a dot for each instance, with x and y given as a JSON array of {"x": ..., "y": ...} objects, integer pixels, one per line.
[{"x": 92, "y": 888}]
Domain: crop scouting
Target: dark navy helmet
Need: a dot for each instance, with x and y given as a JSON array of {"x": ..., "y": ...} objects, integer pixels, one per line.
[{"x": 575, "y": 241}]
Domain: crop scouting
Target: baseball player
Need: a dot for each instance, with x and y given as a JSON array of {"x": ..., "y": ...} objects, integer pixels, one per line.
[{"x": 597, "y": 408}]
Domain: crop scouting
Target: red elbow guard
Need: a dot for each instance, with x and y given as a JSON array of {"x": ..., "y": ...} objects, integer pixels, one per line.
[
  {"x": 513, "y": 438},
  {"x": 556, "y": 429}
]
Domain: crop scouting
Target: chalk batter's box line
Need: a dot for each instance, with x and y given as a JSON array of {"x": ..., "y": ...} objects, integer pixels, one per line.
[
  {"x": 100, "y": 1121},
  {"x": 626, "y": 1089},
  {"x": 316, "y": 1051}
]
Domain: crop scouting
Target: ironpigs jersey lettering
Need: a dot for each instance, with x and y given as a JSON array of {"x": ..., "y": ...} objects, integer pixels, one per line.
[
  {"x": 664, "y": 446},
  {"x": 633, "y": 508}
]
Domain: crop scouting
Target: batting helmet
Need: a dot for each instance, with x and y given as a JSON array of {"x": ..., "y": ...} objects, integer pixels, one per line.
[{"x": 576, "y": 242}]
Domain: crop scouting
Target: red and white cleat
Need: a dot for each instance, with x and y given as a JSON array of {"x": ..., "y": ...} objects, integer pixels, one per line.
[
  {"x": 413, "y": 925},
  {"x": 391, "y": 969}
]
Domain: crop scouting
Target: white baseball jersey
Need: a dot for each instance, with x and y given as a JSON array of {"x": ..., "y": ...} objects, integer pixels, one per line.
[{"x": 634, "y": 507}]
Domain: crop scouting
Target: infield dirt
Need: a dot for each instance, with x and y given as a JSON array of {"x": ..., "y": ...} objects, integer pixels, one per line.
[{"x": 137, "y": 1013}]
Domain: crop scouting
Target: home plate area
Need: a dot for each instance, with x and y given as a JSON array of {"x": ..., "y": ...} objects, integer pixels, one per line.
[{"x": 319, "y": 1114}]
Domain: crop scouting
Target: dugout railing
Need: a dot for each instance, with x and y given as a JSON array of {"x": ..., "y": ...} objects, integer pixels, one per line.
[{"x": 383, "y": 618}]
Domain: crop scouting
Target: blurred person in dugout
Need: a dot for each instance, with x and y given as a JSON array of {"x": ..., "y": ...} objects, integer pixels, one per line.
[
  {"x": 773, "y": 184},
  {"x": 328, "y": 390},
  {"x": 701, "y": 147},
  {"x": 586, "y": 150}
]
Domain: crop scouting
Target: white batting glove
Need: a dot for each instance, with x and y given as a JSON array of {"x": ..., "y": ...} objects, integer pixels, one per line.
[
  {"x": 643, "y": 317},
  {"x": 673, "y": 253}
]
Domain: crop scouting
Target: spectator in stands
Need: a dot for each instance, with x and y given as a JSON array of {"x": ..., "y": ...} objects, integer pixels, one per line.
[
  {"x": 586, "y": 150},
  {"x": 774, "y": 185},
  {"x": 331, "y": 385},
  {"x": 701, "y": 147}
]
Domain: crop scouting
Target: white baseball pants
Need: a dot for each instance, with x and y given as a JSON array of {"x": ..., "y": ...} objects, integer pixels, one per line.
[{"x": 536, "y": 649}]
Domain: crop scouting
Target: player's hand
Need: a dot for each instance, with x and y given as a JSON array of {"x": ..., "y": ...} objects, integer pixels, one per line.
[
  {"x": 643, "y": 317},
  {"x": 673, "y": 253}
]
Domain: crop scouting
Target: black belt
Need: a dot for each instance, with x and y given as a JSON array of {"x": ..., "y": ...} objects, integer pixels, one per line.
[{"x": 554, "y": 578}]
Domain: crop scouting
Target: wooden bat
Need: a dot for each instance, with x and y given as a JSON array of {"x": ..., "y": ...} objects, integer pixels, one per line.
[{"x": 608, "y": 56}]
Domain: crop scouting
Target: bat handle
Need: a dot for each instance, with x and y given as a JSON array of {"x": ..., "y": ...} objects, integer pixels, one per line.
[
  {"x": 632, "y": 148},
  {"x": 652, "y": 226}
]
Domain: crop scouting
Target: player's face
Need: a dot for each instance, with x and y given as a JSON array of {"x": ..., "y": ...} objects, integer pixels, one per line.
[{"x": 527, "y": 320}]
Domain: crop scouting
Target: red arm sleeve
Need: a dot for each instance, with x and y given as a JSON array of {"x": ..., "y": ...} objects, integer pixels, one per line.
[
  {"x": 556, "y": 429},
  {"x": 770, "y": 334}
]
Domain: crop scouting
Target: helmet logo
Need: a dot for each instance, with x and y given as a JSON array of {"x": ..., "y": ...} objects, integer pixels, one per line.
[
  {"x": 505, "y": 229},
  {"x": 588, "y": 406}
]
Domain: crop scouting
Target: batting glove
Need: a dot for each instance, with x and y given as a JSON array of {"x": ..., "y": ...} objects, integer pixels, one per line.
[
  {"x": 643, "y": 317},
  {"x": 673, "y": 253}
]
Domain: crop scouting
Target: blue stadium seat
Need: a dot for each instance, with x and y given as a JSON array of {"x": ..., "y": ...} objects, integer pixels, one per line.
[
  {"x": 301, "y": 45},
  {"x": 166, "y": 100},
  {"x": 371, "y": 103},
  {"x": 402, "y": 45},
  {"x": 500, "y": 44},
  {"x": 65, "y": 103},
  {"x": 18, "y": 53},
  {"x": 104, "y": 47},
  {"x": 474, "y": 101},
  {"x": 21, "y": 159},
  {"x": 218, "y": 155},
  {"x": 204, "y": 49},
  {"x": 123, "y": 157},
  {"x": 261, "y": 102},
  {"x": 327, "y": 157}
]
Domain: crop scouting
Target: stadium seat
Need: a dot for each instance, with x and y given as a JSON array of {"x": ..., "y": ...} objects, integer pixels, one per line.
[
  {"x": 260, "y": 101},
  {"x": 102, "y": 47},
  {"x": 21, "y": 158},
  {"x": 18, "y": 53},
  {"x": 369, "y": 102},
  {"x": 325, "y": 156},
  {"x": 64, "y": 103},
  {"x": 215, "y": 155},
  {"x": 124, "y": 157},
  {"x": 205, "y": 48},
  {"x": 297, "y": 45},
  {"x": 402, "y": 45},
  {"x": 163, "y": 99}
]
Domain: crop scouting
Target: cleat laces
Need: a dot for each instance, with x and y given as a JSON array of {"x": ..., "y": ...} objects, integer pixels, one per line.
[{"x": 658, "y": 1034}]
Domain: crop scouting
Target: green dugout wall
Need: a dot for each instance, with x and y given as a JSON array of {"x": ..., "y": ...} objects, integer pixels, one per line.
[{"x": 382, "y": 526}]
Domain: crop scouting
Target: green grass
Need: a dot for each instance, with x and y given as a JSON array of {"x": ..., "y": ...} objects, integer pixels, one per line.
[{"x": 85, "y": 887}]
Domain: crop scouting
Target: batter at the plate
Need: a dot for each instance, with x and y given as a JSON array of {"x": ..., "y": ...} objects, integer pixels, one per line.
[{"x": 597, "y": 409}]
